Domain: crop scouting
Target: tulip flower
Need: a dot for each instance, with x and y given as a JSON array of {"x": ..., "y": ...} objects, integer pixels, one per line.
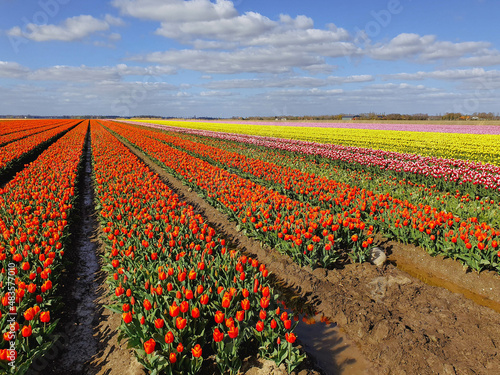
[
  {"x": 127, "y": 317},
  {"x": 169, "y": 337},
  {"x": 196, "y": 351},
  {"x": 26, "y": 331},
  {"x": 149, "y": 346},
  {"x": 180, "y": 323},
  {"x": 259, "y": 326},
  {"x": 233, "y": 332},
  {"x": 218, "y": 335},
  {"x": 172, "y": 357},
  {"x": 45, "y": 316}
]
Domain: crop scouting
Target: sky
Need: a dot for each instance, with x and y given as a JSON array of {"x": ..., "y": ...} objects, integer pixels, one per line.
[{"x": 224, "y": 58}]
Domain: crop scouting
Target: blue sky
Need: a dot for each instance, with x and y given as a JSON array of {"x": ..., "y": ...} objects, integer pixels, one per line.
[{"x": 226, "y": 58}]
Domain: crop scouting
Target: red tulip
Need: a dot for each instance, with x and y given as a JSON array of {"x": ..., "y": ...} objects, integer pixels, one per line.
[
  {"x": 196, "y": 351},
  {"x": 288, "y": 324},
  {"x": 29, "y": 314},
  {"x": 149, "y": 346},
  {"x": 195, "y": 313},
  {"x": 172, "y": 357},
  {"x": 127, "y": 317},
  {"x": 226, "y": 301},
  {"x": 290, "y": 337},
  {"x": 262, "y": 314},
  {"x": 169, "y": 337},
  {"x": 245, "y": 304},
  {"x": 204, "y": 299},
  {"x": 26, "y": 331},
  {"x": 218, "y": 335},
  {"x": 233, "y": 332},
  {"x": 219, "y": 317},
  {"x": 174, "y": 310},
  {"x": 260, "y": 326},
  {"x": 240, "y": 315},
  {"x": 180, "y": 323},
  {"x": 264, "y": 302},
  {"x": 45, "y": 316}
]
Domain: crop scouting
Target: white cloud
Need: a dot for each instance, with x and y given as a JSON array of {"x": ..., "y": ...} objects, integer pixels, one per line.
[
  {"x": 267, "y": 83},
  {"x": 350, "y": 79},
  {"x": 384, "y": 87},
  {"x": 10, "y": 69},
  {"x": 465, "y": 79},
  {"x": 72, "y": 29},
  {"x": 482, "y": 58},
  {"x": 297, "y": 81},
  {"x": 114, "y": 37},
  {"x": 422, "y": 48},
  {"x": 266, "y": 45},
  {"x": 113, "y": 21},
  {"x": 447, "y": 75},
  {"x": 255, "y": 60},
  {"x": 64, "y": 73},
  {"x": 217, "y": 93},
  {"x": 238, "y": 28},
  {"x": 177, "y": 11}
]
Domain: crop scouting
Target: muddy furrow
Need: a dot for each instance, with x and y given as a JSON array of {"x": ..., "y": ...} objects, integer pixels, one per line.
[
  {"x": 75, "y": 343},
  {"x": 400, "y": 324}
]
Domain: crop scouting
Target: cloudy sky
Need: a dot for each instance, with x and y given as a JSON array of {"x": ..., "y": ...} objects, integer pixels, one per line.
[{"x": 226, "y": 58}]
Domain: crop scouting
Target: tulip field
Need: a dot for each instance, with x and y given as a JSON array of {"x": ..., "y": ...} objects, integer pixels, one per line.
[
  {"x": 328, "y": 198},
  {"x": 183, "y": 294},
  {"x": 179, "y": 290}
]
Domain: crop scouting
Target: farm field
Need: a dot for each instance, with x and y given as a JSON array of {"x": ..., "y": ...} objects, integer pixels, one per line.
[{"x": 200, "y": 230}]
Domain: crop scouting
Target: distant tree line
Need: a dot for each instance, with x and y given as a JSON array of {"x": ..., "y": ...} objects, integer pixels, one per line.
[
  {"x": 450, "y": 116},
  {"x": 374, "y": 116}
]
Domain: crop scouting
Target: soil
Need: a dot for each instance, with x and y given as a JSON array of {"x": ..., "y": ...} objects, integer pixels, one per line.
[{"x": 388, "y": 320}]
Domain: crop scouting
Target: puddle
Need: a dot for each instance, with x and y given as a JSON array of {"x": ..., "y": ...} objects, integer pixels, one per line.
[
  {"x": 76, "y": 343},
  {"x": 333, "y": 352},
  {"x": 433, "y": 280}
]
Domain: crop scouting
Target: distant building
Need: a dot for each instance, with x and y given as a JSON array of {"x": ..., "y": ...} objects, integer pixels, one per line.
[{"x": 349, "y": 118}]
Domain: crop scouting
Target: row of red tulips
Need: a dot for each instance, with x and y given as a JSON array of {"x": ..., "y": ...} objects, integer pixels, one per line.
[
  {"x": 440, "y": 232},
  {"x": 13, "y": 151},
  {"x": 182, "y": 294},
  {"x": 27, "y": 131},
  {"x": 466, "y": 176},
  {"x": 462, "y": 205},
  {"x": 308, "y": 234},
  {"x": 430, "y": 227},
  {"x": 34, "y": 211},
  {"x": 15, "y": 126}
]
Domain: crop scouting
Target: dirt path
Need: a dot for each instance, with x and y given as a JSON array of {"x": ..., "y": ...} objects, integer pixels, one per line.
[{"x": 400, "y": 324}]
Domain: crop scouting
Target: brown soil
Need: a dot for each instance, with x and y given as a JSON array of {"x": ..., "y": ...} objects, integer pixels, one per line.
[
  {"x": 113, "y": 357},
  {"x": 398, "y": 324}
]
